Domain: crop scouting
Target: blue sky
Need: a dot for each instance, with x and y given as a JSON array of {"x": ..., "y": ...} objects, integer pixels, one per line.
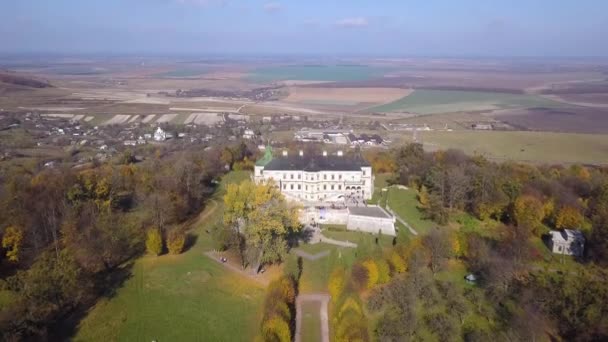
[{"x": 338, "y": 27}]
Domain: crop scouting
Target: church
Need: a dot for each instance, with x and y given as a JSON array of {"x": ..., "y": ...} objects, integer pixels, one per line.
[{"x": 317, "y": 178}]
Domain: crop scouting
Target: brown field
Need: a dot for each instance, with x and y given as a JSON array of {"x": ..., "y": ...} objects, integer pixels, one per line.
[
  {"x": 575, "y": 119},
  {"x": 591, "y": 99}
]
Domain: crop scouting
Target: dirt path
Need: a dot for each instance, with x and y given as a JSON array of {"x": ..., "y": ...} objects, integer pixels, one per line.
[
  {"x": 311, "y": 257},
  {"x": 313, "y": 297}
]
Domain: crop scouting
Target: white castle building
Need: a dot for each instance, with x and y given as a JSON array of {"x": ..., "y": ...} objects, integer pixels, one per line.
[{"x": 327, "y": 178}]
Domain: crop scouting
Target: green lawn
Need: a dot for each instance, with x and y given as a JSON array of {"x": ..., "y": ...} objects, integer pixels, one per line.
[
  {"x": 317, "y": 73},
  {"x": 311, "y": 322},
  {"x": 186, "y": 297},
  {"x": 404, "y": 203},
  {"x": 315, "y": 274},
  {"x": 380, "y": 182},
  {"x": 446, "y": 101}
]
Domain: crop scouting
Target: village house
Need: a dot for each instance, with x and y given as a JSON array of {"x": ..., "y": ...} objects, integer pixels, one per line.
[
  {"x": 567, "y": 241},
  {"x": 160, "y": 135}
]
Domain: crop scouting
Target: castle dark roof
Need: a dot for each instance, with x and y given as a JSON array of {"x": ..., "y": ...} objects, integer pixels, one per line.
[{"x": 316, "y": 163}]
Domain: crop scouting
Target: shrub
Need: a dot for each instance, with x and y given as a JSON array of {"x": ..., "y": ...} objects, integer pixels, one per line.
[
  {"x": 359, "y": 276},
  {"x": 373, "y": 274},
  {"x": 397, "y": 263},
  {"x": 176, "y": 241},
  {"x": 154, "y": 242},
  {"x": 384, "y": 271},
  {"x": 336, "y": 283},
  {"x": 276, "y": 329}
]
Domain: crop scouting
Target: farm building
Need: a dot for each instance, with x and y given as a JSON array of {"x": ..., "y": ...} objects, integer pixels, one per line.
[{"x": 568, "y": 242}]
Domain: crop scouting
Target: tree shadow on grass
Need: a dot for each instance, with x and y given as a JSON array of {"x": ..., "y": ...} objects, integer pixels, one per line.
[
  {"x": 190, "y": 242},
  {"x": 106, "y": 287}
]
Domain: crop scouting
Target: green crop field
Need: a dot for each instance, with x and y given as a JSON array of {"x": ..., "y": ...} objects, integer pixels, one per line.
[
  {"x": 317, "y": 73},
  {"x": 534, "y": 147},
  {"x": 186, "y": 297},
  {"x": 447, "y": 101}
]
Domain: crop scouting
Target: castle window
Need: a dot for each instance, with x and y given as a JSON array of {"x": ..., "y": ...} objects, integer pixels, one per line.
[
  {"x": 340, "y": 176},
  {"x": 324, "y": 177},
  {"x": 333, "y": 177},
  {"x": 299, "y": 187},
  {"x": 291, "y": 186},
  {"x": 332, "y": 186},
  {"x": 291, "y": 176},
  {"x": 299, "y": 176},
  {"x": 339, "y": 187},
  {"x": 324, "y": 187}
]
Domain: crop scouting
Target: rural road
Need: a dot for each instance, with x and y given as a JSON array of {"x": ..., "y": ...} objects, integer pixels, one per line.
[{"x": 313, "y": 297}]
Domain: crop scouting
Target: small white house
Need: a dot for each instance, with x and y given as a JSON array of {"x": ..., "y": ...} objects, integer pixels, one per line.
[
  {"x": 160, "y": 135},
  {"x": 568, "y": 242}
]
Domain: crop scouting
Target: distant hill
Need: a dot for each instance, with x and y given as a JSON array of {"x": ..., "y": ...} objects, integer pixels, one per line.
[{"x": 12, "y": 78}]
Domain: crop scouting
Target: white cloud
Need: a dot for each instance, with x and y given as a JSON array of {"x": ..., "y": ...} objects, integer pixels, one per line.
[
  {"x": 352, "y": 22},
  {"x": 272, "y": 7}
]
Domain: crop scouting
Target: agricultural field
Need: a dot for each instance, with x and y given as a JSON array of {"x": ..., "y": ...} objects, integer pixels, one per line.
[
  {"x": 567, "y": 119},
  {"x": 447, "y": 101},
  {"x": 344, "y": 98},
  {"x": 534, "y": 147},
  {"x": 179, "y": 73},
  {"x": 319, "y": 72}
]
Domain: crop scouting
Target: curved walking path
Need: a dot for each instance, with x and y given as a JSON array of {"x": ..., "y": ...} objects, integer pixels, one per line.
[
  {"x": 313, "y": 297},
  {"x": 407, "y": 225},
  {"x": 311, "y": 257}
]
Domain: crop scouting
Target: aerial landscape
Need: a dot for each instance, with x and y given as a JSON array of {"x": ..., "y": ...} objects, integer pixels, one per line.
[{"x": 340, "y": 171}]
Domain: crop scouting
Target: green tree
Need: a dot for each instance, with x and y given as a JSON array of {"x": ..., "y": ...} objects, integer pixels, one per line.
[{"x": 260, "y": 214}]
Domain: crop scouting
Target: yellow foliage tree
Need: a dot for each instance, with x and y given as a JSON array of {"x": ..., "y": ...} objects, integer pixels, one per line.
[
  {"x": 384, "y": 271},
  {"x": 276, "y": 329},
  {"x": 373, "y": 274},
  {"x": 569, "y": 217},
  {"x": 336, "y": 283},
  {"x": 397, "y": 263},
  {"x": 11, "y": 241},
  {"x": 423, "y": 197},
  {"x": 529, "y": 212},
  {"x": 154, "y": 242},
  {"x": 176, "y": 241},
  {"x": 350, "y": 305}
]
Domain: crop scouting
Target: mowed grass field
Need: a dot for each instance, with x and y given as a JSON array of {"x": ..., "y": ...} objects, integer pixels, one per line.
[
  {"x": 447, "y": 101},
  {"x": 534, "y": 147},
  {"x": 316, "y": 73},
  {"x": 186, "y": 297}
]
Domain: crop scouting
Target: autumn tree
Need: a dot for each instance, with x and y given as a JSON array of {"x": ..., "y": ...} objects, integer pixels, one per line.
[
  {"x": 528, "y": 211},
  {"x": 12, "y": 240},
  {"x": 337, "y": 281},
  {"x": 154, "y": 242},
  {"x": 568, "y": 217},
  {"x": 176, "y": 240}
]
